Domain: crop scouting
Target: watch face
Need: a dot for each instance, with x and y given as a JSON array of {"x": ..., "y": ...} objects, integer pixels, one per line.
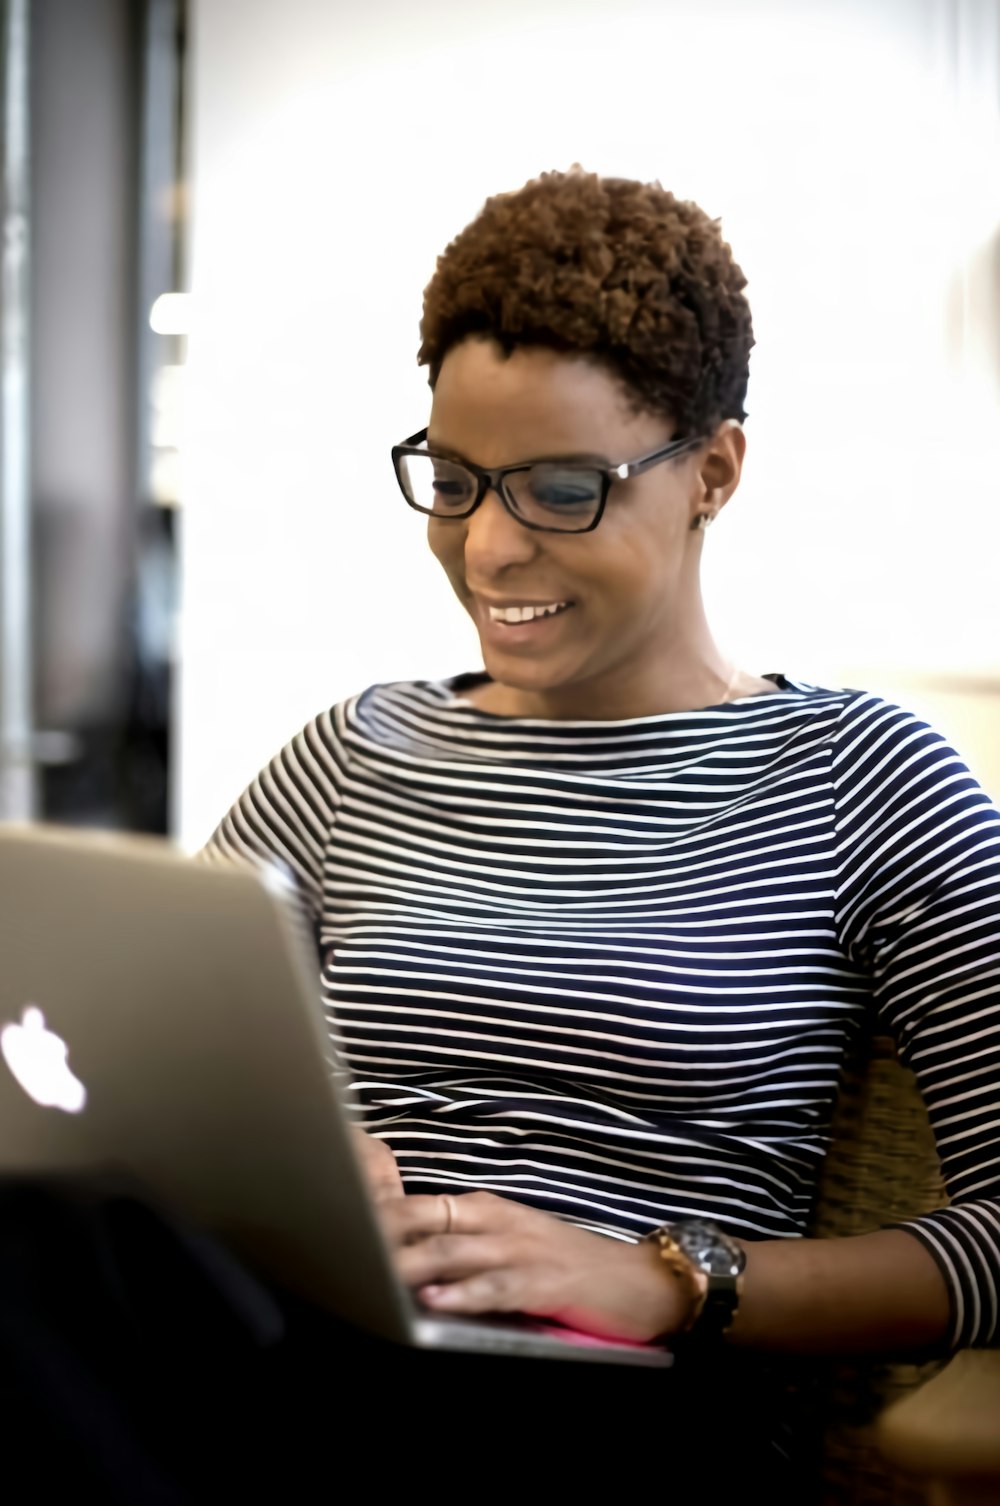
[{"x": 710, "y": 1249}]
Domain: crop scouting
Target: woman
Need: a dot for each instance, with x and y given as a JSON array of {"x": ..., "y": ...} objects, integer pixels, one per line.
[{"x": 598, "y": 925}]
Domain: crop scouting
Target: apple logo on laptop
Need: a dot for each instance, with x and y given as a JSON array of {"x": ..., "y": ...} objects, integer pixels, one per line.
[{"x": 38, "y": 1059}]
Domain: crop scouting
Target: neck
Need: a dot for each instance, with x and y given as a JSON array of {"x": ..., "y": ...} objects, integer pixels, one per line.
[{"x": 689, "y": 676}]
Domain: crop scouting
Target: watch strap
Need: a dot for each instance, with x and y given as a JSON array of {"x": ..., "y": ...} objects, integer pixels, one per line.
[
  {"x": 721, "y": 1302},
  {"x": 710, "y": 1264},
  {"x": 683, "y": 1270}
]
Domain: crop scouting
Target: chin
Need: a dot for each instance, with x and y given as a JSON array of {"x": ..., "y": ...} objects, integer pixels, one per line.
[{"x": 523, "y": 674}]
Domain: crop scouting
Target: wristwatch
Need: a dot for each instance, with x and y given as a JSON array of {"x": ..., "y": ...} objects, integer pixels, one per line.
[{"x": 694, "y": 1247}]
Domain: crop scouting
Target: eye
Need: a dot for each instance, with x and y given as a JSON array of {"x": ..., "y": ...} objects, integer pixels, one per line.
[
  {"x": 564, "y": 489},
  {"x": 447, "y": 490},
  {"x": 451, "y": 487}
]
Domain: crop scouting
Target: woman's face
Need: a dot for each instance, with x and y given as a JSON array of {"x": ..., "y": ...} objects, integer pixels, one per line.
[{"x": 631, "y": 606}]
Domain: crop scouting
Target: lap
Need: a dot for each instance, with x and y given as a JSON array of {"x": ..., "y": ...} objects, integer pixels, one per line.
[{"x": 137, "y": 1356}]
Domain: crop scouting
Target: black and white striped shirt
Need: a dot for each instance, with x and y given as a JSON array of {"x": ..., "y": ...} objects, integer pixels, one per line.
[{"x": 611, "y": 969}]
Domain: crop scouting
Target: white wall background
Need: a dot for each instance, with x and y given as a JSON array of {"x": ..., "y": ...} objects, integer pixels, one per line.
[{"x": 850, "y": 147}]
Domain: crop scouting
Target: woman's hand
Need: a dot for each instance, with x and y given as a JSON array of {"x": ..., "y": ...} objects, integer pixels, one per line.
[
  {"x": 479, "y": 1253},
  {"x": 379, "y": 1166}
]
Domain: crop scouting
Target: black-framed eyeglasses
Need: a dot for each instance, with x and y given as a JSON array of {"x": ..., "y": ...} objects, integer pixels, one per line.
[{"x": 552, "y": 496}]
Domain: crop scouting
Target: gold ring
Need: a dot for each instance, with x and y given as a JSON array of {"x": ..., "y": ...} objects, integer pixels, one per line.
[{"x": 449, "y": 1208}]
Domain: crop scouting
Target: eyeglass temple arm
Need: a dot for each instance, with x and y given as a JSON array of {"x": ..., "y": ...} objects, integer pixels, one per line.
[{"x": 636, "y": 467}]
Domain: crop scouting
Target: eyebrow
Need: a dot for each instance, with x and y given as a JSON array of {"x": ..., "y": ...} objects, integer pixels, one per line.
[{"x": 580, "y": 458}]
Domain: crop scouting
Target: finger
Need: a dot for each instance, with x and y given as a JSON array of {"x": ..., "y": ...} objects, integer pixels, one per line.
[
  {"x": 386, "y": 1189},
  {"x": 378, "y": 1165},
  {"x": 502, "y": 1290},
  {"x": 449, "y": 1257},
  {"x": 421, "y": 1215}
]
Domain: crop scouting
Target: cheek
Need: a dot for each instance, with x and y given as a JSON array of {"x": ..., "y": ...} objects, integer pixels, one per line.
[
  {"x": 644, "y": 550},
  {"x": 438, "y": 542},
  {"x": 626, "y": 571}
]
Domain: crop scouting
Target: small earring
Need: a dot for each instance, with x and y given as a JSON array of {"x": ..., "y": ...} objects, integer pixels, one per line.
[{"x": 701, "y": 522}]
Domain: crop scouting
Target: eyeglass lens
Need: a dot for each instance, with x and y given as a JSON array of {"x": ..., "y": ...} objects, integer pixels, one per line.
[{"x": 565, "y": 497}]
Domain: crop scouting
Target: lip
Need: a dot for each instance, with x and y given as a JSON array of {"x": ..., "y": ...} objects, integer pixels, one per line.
[
  {"x": 519, "y": 601},
  {"x": 515, "y": 635}
]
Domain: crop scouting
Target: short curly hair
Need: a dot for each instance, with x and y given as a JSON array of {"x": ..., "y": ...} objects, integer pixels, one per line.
[{"x": 617, "y": 271}]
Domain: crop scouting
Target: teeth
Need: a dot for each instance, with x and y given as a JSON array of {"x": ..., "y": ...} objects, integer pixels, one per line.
[{"x": 525, "y": 614}]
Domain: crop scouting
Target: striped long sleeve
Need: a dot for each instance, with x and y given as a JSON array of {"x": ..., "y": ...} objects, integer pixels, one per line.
[
  {"x": 613, "y": 969},
  {"x": 919, "y": 903}
]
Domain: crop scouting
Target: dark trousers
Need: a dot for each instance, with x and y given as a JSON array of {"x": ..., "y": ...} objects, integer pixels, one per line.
[{"x": 140, "y": 1365}]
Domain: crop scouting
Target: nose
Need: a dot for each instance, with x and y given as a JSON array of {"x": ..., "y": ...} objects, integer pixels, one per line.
[{"x": 494, "y": 540}]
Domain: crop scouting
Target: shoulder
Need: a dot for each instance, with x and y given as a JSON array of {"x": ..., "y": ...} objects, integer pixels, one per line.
[
  {"x": 392, "y": 702},
  {"x": 375, "y": 699},
  {"x": 398, "y": 717},
  {"x": 873, "y": 734},
  {"x": 897, "y": 779},
  {"x": 860, "y": 722},
  {"x": 881, "y": 754}
]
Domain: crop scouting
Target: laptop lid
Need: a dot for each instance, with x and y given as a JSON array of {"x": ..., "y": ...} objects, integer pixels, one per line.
[
  {"x": 164, "y": 1017},
  {"x": 196, "y": 1056}
]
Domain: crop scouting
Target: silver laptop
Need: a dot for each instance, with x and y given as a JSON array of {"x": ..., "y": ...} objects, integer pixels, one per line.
[{"x": 164, "y": 1017}]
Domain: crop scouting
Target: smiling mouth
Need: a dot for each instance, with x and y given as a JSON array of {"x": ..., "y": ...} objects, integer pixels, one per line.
[{"x": 517, "y": 614}]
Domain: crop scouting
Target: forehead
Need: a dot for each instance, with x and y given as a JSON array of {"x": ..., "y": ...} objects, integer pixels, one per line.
[{"x": 497, "y": 410}]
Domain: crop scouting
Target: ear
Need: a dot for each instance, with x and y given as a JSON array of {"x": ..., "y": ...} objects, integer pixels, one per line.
[{"x": 720, "y": 465}]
